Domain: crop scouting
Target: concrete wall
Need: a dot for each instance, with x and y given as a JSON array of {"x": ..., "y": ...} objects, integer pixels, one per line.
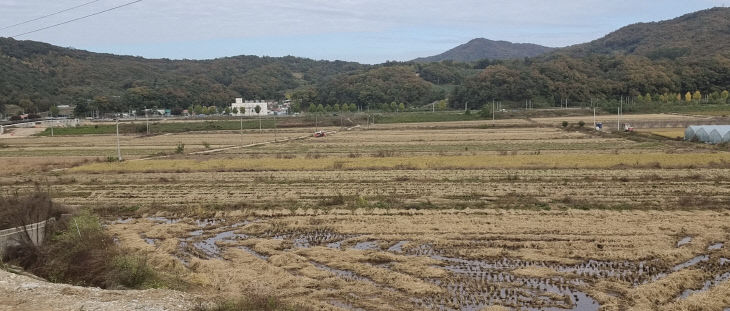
[{"x": 12, "y": 236}]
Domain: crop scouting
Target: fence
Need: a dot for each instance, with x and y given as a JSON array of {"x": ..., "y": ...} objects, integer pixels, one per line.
[{"x": 11, "y": 237}]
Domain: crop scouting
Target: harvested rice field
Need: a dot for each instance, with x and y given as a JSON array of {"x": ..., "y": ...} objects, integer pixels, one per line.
[{"x": 516, "y": 215}]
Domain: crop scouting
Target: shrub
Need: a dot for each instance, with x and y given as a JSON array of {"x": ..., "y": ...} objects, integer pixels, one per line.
[
  {"x": 180, "y": 148},
  {"x": 21, "y": 209},
  {"x": 581, "y": 123},
  {"x": 565, "y": 123},
  {"x": 206, "y": 145},
  {"x": 80, "y": 252}
]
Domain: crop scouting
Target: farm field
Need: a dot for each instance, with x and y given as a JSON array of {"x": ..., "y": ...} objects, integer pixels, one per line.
[{"x": 427, "y": 216}]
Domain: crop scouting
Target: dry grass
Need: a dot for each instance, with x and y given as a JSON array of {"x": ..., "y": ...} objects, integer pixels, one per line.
[
  {"x": 386, "y": 280},
  {"x": 546, "y": 198},
  {"x": 667, "y": 132},
  {"x": 659, "y": 160}
]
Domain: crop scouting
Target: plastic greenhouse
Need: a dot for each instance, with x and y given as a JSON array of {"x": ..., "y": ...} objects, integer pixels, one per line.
[{"x": 714, "y": 134}]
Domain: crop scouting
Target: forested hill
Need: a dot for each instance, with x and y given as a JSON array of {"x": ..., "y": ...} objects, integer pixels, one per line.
[
  {"x": 480, "y": 48},
  {"x": 42, "y": 73},
  {"x": 665, "y": 59},
  {"x": 699, "y": 34}
]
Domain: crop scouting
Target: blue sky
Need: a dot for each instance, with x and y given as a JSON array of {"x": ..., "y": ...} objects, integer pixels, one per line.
[{"x": 367, "y": 31}]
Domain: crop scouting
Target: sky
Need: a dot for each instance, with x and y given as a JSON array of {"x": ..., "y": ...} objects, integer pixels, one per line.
[{"x": 366, "y": 31}]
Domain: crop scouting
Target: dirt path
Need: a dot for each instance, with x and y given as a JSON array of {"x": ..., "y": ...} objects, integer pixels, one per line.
[
  {"x": 18, "y": 292},
  {"x": 21, "y": 132}
]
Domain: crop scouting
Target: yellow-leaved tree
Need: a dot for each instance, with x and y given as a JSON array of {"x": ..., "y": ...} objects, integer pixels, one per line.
[
  {"x": 688, "y": 97},
  {"x": 697, "y": 95}
]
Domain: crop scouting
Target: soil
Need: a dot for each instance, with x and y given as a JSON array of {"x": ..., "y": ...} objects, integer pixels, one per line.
[{"x": 21, "y": 292}]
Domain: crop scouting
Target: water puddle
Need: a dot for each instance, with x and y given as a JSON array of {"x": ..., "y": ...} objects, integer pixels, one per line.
[
  {"x": 202, "y": 223},
  {"x": 707, "y": 285},
  {"x": 476, "y": 284},
  {"x": 398, "y": 247},
  {"x": 253, "y": 252},
  {"x": 684, "y": 241},
  {"x": 345, "y": 274},
  {"x": 691, "y": 262},
  {"x": 322, "y": 237},
  {"x": 150, "y": 241},
  {"x": 163, "y": 220},
  {"x": 209, "y": 246},
  {"x": 122, "y": 220},
  {"x": 715, "y": 246},
  {"x": 367, "y": 245},
  {"x": 336, "y": 245}
]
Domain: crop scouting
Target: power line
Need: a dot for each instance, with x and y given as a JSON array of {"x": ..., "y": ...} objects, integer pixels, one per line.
[
  {"x": 49, "y": 15},
  {"x": 75, "y": 19}
]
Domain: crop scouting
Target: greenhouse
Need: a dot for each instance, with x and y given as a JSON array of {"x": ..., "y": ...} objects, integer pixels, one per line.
[{"x": 714, "y": 134}]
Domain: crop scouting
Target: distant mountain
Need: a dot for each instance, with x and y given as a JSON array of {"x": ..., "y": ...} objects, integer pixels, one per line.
[
  {"x": 481, "y": 48},
  {"x": 699, "y": 34},
  {"x": 662, "y": 61}
]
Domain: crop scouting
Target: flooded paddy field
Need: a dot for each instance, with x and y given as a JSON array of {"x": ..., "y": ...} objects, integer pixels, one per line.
[{"x": 451, "y": 260}]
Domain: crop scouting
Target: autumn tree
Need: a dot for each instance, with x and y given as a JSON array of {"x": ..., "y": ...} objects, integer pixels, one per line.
[
  {"x": 688, "y": 97},
  {"x": 697, "y": 95}
]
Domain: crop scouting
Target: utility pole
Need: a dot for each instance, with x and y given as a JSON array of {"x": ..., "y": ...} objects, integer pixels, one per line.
[
  {"x": 493, "y": 118},
  {"x": 241, "y": 130},
  {"x": 276, "y": 130},
  {"x": 618, "y": 119},
  {"x": 119, "y": 150},
  {"x": 148, "y": 120},
  {"x": 51, "y": 123},
  {"x": 594, "y": 113}
]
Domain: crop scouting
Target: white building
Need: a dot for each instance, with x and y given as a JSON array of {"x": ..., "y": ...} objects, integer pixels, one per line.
[{"x": 249, "y": 107}]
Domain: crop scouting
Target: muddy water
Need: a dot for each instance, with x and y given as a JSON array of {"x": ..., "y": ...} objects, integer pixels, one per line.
[
  {"x": 345, "y": 274},
  {"x": 471, "y": 284},
  {"x": 691, "y": 262},
  {"x": 715, "y": 246},
  {"x": 477, "y": 284},
  {"x": 367, "y": 245},
  {"x": 685, "y": 240},
  {"x": 707, "y": 285},
  {"x": 397, "y": 247}
]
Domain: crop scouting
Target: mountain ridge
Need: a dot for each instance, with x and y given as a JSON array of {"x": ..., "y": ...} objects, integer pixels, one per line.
[{"x": 482, "y": 48}]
